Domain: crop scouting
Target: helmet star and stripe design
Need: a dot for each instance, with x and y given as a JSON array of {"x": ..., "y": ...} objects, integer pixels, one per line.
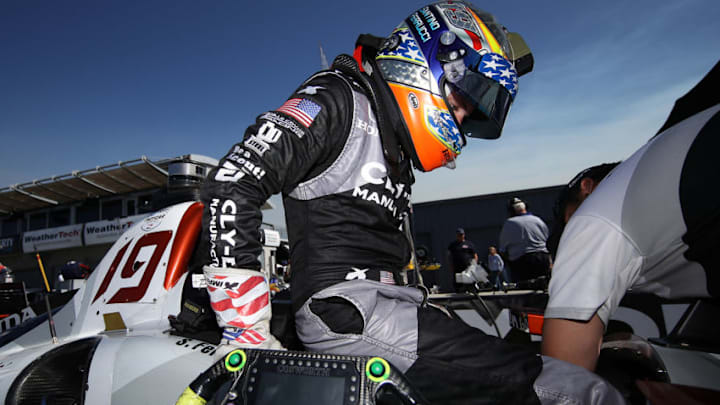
[
  {"x": 407, "y": 49},
  {"x": 498, "y": 68},
  {"x": 448, "y": 47}
]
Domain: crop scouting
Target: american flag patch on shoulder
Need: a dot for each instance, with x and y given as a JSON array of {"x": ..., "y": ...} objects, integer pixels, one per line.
[{"x": 301, "y": 109}]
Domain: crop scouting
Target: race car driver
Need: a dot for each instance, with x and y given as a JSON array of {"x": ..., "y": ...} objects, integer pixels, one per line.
[
  {"x": 651, "y": 225},
  {"x": 340, "y": 150}
]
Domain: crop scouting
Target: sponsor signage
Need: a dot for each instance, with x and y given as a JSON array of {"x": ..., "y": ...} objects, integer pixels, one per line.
[
  {"x": 15, "y": 319},
  {"x": 272, "y": 237},
  {"x": 91, "y": 233},
  {"x": 8, "y": 245},
  {"x": 52, "y": 238},
  {"x": 100, "y": 232}
]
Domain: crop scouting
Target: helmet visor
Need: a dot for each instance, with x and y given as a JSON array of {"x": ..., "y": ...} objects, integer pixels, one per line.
[{"x": 489, "y": 91}]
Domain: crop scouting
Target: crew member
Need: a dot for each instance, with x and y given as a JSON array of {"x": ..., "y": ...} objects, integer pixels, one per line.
[
  {"x": 340, "y": 150},
  {"x": 570, "y": 198},
  {"x": 651, "y": 225},
  {"x": 461, "y": 252},
  {"x": 523, "y": 240}
]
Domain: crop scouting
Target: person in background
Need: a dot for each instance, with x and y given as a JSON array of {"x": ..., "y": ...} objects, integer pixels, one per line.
[
  {"x": 523, "y": 241},
  {"x": 496, "y": 267},
  {"x": 461, "y": 253}
]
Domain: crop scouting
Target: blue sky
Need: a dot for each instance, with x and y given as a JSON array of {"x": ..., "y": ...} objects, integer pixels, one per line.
[{"x": 89, "y": 83}]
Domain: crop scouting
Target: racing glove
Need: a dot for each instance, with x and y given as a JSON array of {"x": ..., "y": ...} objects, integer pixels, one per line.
[{"x": 241, "y": 301}]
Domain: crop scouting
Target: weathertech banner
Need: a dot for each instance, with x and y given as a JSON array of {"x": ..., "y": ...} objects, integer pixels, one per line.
[
  {"x": 99, "y": 232},
  {"x": 52, "y": 238}
]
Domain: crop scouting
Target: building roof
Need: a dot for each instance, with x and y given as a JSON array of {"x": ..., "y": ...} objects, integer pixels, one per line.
[
  {"x": 493, "y": 196},
  {"x": 120, "y": 178}
]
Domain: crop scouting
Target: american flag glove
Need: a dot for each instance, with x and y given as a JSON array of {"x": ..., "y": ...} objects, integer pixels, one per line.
[{"x": 241, "y": 301}]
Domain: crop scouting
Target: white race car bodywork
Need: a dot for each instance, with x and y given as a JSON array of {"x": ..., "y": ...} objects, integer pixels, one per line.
[{"x": 126, "y": 302}]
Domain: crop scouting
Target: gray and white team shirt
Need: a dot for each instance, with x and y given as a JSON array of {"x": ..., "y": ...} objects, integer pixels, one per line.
[{"x": 651, "y": 225}]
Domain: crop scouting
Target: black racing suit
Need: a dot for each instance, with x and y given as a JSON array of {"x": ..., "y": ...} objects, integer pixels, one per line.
[
  {"x": 344, "y": 205},
  {"x": 342, "y": 209}
]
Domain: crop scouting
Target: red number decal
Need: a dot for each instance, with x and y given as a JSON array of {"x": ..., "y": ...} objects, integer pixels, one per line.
[
  {"x": 133, "y": 294},
  {"x": 111, "y": 272}
]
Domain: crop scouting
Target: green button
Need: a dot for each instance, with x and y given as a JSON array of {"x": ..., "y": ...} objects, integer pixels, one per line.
[
  {"x": 377, "y": 369},
  {"x": 235, "y": 359}
]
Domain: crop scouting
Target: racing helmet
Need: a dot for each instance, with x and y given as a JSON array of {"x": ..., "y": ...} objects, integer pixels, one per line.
[{"x": 445, "y": 47}]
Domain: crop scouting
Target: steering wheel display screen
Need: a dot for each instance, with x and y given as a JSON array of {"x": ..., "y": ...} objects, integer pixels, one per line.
[
  {"x": 282, "y": 389},
  {"x": 302, "y": 379}
]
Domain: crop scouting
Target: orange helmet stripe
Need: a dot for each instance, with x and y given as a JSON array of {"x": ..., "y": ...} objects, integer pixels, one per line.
[{"x": 432, "y": 151}]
